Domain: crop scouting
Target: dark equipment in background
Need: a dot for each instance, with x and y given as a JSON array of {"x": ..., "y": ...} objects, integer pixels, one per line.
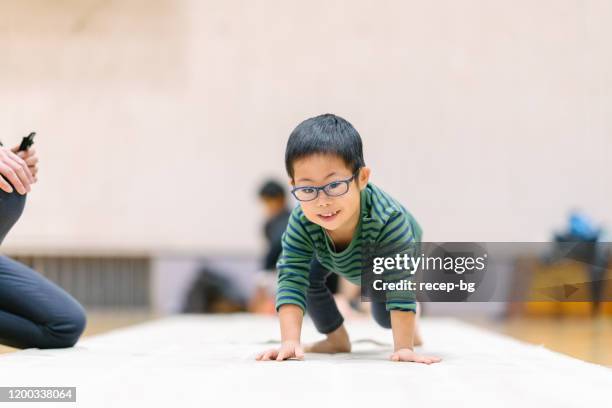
[{"x": 211, "y": 292}]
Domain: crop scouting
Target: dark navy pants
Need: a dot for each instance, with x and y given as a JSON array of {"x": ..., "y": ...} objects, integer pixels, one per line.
[
  {"x": 34, "y": 312},
  {"x": 322, "y": 308}
]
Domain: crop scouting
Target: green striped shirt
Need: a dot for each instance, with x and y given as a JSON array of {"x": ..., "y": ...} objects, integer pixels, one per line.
[{"x": 383, "y": 221}]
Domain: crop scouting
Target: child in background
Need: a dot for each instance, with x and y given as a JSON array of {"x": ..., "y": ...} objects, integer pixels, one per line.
[{"x": 274, "y": 201}]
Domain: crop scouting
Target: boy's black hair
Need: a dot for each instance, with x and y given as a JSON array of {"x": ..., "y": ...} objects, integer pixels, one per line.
[
  {"x": 271, "y": 189},
  {"x": 325, "y": 134}
]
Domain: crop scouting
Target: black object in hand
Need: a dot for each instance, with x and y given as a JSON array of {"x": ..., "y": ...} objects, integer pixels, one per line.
[{"x": 27, "y": 141}]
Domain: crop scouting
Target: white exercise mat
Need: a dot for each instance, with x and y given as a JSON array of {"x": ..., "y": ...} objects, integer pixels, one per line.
[{"x": 193, "y": 361}]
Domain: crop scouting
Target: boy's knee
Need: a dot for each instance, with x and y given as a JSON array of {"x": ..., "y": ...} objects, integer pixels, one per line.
[
  {"x": 383, "y": 322},
  {"x": 381, "y": 315}
]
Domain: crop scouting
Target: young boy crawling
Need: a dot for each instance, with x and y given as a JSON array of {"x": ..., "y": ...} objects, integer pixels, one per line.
[{"x": 339, "y": 212}]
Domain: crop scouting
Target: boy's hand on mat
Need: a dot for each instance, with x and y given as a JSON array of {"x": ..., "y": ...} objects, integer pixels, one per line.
[
  {"x": 406, "y": 354},
  {"x": 31, "y": 159},
  {"x": 287, "y": 350},
  {"x": 14, "y": 169}
]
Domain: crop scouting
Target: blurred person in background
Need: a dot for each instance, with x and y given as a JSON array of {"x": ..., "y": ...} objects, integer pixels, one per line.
[
  {"x": 273, "y": 198},
  {"x": 34, "y": 312},
  {"x": 274, "y": 201}
]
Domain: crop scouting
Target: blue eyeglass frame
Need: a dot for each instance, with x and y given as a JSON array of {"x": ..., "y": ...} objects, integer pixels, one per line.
[{"x": 322, "y": 188}]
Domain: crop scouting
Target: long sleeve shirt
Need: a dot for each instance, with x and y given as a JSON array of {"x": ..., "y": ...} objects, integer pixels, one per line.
[{"x": 383, "y": 222}]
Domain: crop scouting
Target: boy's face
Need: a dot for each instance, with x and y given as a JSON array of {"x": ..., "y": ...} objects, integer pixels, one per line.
[{"x": 330, "y": 213}]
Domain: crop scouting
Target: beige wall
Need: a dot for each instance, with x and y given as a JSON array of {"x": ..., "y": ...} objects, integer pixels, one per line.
[{"x": 157, "y": 119}]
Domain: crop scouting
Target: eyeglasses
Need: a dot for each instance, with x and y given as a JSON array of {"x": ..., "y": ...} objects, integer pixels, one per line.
[{"x": 333, "y": 189}]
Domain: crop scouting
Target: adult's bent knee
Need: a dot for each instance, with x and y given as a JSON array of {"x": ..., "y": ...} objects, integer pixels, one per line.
[{"x": 66, "y": 332}]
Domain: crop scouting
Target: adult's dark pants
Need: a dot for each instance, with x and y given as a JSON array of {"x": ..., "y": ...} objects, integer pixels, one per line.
[
  {"x": 322, "y": 308},
  {"x": 34, "y": 312}
]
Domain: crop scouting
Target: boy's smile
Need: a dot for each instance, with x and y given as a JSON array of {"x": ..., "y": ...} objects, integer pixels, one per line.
[
  {"x": 339, "y": 215},
  {"x": 329, "y": 216}
]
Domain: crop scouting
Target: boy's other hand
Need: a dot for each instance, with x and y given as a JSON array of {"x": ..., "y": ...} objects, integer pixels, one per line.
[
  {"x": 406, "y": 354},
  {"x": 287, "y": 350}
]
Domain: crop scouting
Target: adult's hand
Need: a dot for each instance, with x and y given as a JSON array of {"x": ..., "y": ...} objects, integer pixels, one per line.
[
  {"x": 15, "y": 170},
  {"x": 31, "y": 159}
]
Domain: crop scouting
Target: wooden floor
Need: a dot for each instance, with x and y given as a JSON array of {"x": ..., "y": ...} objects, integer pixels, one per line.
[{"x": 588, "y": 339}]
